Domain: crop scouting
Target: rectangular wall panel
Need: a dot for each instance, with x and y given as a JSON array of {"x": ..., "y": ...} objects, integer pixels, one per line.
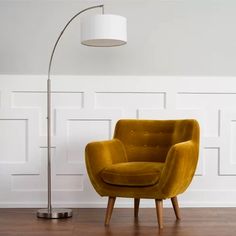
[{"x": 13, "y": 141}]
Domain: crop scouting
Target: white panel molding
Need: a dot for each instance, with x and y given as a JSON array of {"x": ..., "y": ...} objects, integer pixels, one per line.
[{"x": 85, "y": 109}]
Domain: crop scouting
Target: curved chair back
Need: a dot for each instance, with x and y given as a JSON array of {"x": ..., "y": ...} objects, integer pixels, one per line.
[{"x": 150, "y": 140}]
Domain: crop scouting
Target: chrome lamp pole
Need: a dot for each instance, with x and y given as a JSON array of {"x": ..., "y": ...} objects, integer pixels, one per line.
[{"x": 97, "y": 31}]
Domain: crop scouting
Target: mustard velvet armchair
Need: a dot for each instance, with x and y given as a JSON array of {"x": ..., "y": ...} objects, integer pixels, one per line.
[{"x": 152, "y": 159}]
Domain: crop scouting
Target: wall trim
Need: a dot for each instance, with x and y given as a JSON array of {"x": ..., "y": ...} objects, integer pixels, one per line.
[{"x": 86, "y": 108}]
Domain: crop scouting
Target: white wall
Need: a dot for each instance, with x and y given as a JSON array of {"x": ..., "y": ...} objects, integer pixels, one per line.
[
  {"x": 86, "y": 109},
  {"x": 165, "y": 37},
  {"x": 191, "y": 38}
]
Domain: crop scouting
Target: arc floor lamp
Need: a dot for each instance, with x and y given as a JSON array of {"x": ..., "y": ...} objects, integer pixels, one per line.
[{"x": 97, "y": 31}]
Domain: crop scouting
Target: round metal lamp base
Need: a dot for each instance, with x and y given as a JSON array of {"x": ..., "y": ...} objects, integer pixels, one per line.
[{"x": 54, "y": 213}]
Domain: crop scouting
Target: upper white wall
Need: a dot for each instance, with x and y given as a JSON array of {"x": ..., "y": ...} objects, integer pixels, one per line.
[{"x": 166, "y": 37}]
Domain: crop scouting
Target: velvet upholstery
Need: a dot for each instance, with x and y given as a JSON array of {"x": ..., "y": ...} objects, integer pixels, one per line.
[
  {"x": 132, "y": 173},
  {"x": 168, "y": 148}
]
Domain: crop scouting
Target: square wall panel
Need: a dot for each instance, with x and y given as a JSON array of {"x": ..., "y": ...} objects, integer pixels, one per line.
[
  {"x": 81, "y": 132},
  {"x": 13, "y": 141}
]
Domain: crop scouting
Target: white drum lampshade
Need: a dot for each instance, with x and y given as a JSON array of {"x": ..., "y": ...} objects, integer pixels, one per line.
[{"x": 104, "y": 30}]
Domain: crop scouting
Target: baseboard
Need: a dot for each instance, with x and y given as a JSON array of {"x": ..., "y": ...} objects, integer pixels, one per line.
[{"x": 167, "y": 204}]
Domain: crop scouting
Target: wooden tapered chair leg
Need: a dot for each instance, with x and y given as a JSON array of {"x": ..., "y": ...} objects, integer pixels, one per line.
[
  {"x": 136, "y": 207},
  {"x": 176, "y": 207},
  {"x": 110, "y": 206},
  {"x": 159, "y": 210}
]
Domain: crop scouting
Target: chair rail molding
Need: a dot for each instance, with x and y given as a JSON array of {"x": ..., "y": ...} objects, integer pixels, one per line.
[{"x": 86, "y": 108}]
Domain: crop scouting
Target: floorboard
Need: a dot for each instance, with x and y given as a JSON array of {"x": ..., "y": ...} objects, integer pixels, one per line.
[{"x": 195, "y": 222}]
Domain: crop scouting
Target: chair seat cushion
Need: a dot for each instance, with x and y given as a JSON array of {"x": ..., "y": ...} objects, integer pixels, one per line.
[{"x": 132, "y": 173}]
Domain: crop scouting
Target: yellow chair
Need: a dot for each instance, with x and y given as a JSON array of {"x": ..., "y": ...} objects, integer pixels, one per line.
[{"x": 152, "y": 159}]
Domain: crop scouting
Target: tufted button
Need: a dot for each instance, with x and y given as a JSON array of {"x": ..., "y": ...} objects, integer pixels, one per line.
[
  {"x": 132, "y": 132},
  {"x": 131, "y": 146}
]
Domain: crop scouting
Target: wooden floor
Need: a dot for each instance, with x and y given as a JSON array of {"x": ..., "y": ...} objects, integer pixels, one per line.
[{"x": 195, "y": 222}]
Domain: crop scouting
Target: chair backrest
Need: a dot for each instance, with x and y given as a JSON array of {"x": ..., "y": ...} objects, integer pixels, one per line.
[{"x": 150, "y": 140}]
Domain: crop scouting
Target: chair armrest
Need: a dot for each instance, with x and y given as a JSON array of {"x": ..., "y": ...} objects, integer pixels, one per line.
[
  {"x": 179, "y": 168},
  {"x": 99, "y": 155}
]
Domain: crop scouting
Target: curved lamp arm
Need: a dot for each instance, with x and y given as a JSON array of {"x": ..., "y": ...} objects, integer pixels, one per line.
[
  {"x": 49, "y": 107},
  {"x": 59, "y": 37}
]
